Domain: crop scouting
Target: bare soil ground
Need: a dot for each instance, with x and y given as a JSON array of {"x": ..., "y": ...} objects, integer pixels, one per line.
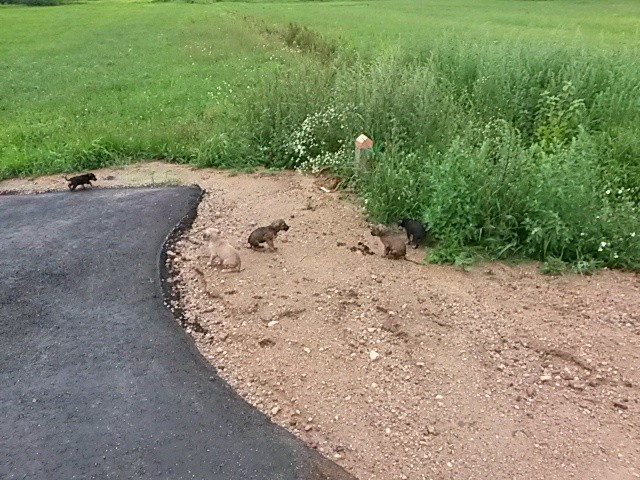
[{"x": 398, "y": 370}]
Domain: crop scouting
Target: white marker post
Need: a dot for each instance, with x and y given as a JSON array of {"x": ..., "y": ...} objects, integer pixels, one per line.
[{"x": 364, "y": 151}]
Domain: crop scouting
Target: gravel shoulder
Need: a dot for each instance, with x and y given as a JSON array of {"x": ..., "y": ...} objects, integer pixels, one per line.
[{"x": 396, "y": 370}]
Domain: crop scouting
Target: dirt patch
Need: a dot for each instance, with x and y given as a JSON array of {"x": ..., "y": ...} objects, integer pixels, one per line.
[{"x": 397, "y": 370}]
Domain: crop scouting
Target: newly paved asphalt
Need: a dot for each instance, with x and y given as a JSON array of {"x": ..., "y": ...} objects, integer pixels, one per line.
[{"x": 97, "y": 379}]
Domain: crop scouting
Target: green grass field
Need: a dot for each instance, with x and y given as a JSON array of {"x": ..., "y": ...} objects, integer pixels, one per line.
[
  {"x": 122, "y": 80},
  {"x": 116, "y": 81},
  {"x": 501, "y": 123},
  {"x": 413, "y": 23}
]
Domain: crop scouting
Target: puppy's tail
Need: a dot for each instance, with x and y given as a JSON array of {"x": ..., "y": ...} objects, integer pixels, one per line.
[
  {"x": 413, "y": 261},
  {"x": 235, "y": 270}
]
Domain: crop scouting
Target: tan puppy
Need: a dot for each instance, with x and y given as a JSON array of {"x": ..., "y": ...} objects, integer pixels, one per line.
[
  {"x": 394, "y": 246},
  {"x": 226, "y": 257},
  {"x": 267, "y": 234}
]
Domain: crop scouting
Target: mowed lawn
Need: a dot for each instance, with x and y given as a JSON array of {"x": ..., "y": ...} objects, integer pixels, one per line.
[
  {"x": 88, "y": 84},
  {"x": 414, "y": 24},
  {"x": 115, "y": 80}
]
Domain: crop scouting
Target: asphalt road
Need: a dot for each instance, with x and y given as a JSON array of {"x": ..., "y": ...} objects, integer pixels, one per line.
[{"x": 97, "y": 379}]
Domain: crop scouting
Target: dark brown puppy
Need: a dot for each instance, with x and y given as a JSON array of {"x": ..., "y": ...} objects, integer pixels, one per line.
[
  {"x": 267, "y": 234},
  {"x": 80, "y": 180}
]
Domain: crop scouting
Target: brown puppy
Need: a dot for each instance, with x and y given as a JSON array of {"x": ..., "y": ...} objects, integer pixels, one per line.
[
  {"x": 394, "y": 246},
  {"x": 80, "y": 180},
  {"x": 267, "y": 234},
  {"x": 226, "y": 257}
]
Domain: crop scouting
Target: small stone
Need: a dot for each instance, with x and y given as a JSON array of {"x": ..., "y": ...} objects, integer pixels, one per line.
[
  {"x": 275, "y": 410},
  {"x": 545, "y": 378},
  {"x": 266, "y": 342},
  {"x": 390, "y": 325},
  {"x": 373, "y": 355},
  {"x": 576, "y": 385},
  {"x": 272, "y": 323},
  {"x": 620, "y": 405}
]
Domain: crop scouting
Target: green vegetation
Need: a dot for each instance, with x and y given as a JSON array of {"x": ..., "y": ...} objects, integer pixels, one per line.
[
  {"x": 84, "y": 86},
  {"x": 511, "y": 128},
  {"x": 33, "y": 3}
]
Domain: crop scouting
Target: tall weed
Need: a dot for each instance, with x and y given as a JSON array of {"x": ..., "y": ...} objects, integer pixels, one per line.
[
  {"x": 504, "y": 149},
  {"x": 508, "y": 153}
]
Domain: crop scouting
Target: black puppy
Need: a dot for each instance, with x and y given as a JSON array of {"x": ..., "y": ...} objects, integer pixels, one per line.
[
  {"x": 80, "y": 180},
  {"x": 416, "y": 233}
]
